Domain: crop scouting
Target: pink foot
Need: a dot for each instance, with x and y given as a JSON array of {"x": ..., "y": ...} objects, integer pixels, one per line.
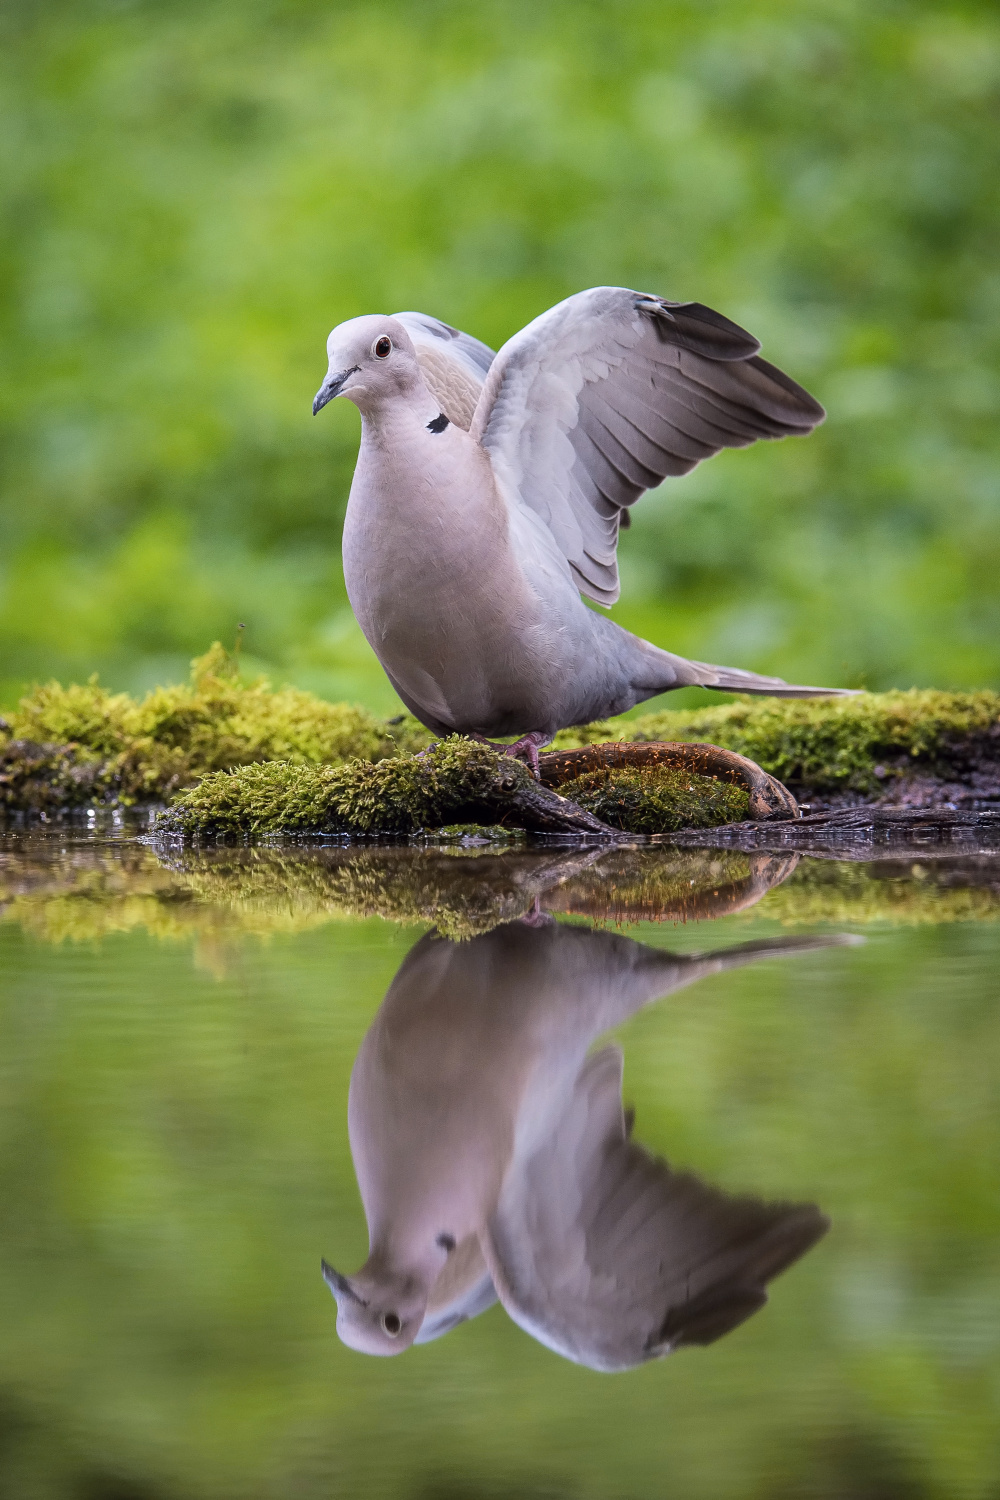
[{"x": 526, "y": 748}]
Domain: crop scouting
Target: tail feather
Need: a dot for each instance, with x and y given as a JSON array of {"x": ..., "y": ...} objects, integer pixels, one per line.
[
  {"x": 734, "y": 680},
  {"x": 653, "y": 671}
]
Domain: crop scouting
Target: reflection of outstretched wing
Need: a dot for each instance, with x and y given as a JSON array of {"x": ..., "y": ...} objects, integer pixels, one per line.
[
  {"x": 462, "y": 1291},
  {"x": 453, "y": 364},
  {"x": 610, "y": 1258}
]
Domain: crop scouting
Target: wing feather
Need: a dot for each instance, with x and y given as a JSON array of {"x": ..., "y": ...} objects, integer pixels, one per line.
[{"x": 612, "y": 391}]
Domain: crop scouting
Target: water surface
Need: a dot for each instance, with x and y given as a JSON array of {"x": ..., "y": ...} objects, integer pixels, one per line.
[{"x": 179, "y": 1035}]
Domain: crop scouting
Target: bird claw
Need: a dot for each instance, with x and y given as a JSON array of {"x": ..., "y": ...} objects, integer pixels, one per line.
[{"x": 526, "y": 748}]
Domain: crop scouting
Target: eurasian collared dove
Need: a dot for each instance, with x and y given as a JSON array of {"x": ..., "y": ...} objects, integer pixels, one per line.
[
  {"x": 494, "y": 1160},
  {"x": 490, "y": 489}
]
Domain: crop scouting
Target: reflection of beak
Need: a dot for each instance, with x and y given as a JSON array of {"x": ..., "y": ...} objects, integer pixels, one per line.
[
  {"x": 332, "y": 386},
  {"x": 339, "y": 1285}
]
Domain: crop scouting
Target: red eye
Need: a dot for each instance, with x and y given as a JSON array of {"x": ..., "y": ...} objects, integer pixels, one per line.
[{"x": 383, "y": 347}]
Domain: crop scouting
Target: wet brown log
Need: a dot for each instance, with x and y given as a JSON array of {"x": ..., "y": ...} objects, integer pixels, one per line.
[{"x": 769, "y": 799}]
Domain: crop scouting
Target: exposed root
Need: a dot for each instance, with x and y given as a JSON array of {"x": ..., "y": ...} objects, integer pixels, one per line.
[{"x": 694, "y": 766}]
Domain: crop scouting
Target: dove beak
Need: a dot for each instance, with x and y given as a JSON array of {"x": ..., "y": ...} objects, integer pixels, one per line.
[
  {"x": 339, "y": 1285},
  {"x": 332, "y": 386}
]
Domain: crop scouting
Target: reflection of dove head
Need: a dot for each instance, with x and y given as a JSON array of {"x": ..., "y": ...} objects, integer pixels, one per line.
[{"x": 377, "y": 1313}]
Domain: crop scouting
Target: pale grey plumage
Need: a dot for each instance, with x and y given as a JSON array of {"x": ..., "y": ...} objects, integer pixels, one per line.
[
  {"x": 467, "y": 549},
  {"x": 609, "y": 1257},
  {"x": 453, "y": 364},
  {"x": 477, "y": 1121}
]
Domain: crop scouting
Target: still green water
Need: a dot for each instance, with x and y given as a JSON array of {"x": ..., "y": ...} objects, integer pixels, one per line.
[{"x": 179, "y": 1032}]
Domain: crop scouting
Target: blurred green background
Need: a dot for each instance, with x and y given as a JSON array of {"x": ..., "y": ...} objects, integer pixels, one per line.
[{"x": 194, "y": 193}]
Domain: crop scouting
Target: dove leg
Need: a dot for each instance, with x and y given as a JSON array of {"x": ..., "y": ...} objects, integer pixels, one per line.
[
  {"x": 526, "y": 748},
  {"x": 535, "y": 917}
]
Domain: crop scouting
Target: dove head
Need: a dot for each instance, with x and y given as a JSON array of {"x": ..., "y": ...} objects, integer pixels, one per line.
[
  {"x": 377, "y": 1314},
  {"x": 372, "y": 361}
]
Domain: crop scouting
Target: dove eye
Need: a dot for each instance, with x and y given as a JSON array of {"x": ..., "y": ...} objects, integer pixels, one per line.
[
  {"x": 390, "y": 1322},
  {"x": 382, "y": 347}
]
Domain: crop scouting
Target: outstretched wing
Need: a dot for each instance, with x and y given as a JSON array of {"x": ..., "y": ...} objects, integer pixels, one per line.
[
  {"x": 610, "y": 1258},
  {"x": 609, "y": 392},
  {"x": 453, "y": 364}
]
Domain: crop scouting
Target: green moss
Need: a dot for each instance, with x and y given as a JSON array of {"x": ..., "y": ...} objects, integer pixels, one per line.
[
  {"x": 411, "y": 794},
  {"x": 401, "y": 796},
  {"x": 833, "y": 744},
  {"x": 658, "y": 799},
  {"x": 828, "y": 744},
  {"x": 66, "y": 746},
  {"x": 600, "y": 732}
]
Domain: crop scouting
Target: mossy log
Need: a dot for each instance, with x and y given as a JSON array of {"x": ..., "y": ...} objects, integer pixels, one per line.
[
  {"x": 457, "y": 780},
  {"x": 686, "y": 767},
  {"x": 920, "y": 747},
  {"x": 607, "y": 791}
]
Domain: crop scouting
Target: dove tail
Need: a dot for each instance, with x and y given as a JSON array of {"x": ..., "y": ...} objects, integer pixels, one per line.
[
  {"x": 649, "y": 671},
  {"x": 733, "y": 680}
]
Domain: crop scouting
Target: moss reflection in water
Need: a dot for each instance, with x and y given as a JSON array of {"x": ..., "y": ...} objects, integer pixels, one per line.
[{"x": 64, "y": 888}]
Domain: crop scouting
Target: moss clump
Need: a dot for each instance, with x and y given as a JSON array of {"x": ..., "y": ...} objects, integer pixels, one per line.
[
  {"x": 658, "y": 799},
  {"x": 395, "y": 797},
  {"x": 838, "y": 744},
  {"x": 412, "y": 794},
  {"x": 67, "y": 746}
]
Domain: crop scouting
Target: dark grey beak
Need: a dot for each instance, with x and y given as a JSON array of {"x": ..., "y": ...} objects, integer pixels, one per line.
[
  {"x": 332, "y": 386},
  {"x": 339, "y": 1285}
]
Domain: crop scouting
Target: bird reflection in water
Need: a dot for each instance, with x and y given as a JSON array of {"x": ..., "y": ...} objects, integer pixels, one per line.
[{"x": 495, "y": 1159}]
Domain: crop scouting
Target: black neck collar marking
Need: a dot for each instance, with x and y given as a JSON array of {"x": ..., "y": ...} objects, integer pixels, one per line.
[{"x": 439, "y": 423}]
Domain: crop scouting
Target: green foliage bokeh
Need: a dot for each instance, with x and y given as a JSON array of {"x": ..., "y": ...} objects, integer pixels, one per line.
[{"x": 193, "y": 194}]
